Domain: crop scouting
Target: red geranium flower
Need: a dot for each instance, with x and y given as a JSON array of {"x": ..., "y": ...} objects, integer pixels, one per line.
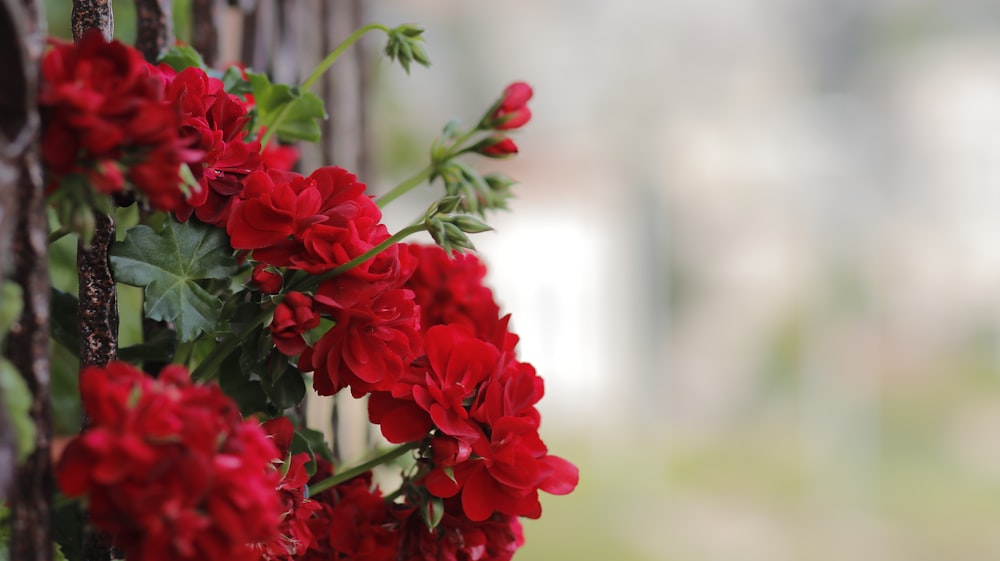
[
  {"x": 102, "y": 103},
  {"x": 169, "y": 469},
  {"x": 456, "y": 538},
  {"x": 375, "y": 336},
  {"x": 213, "y": 122},
  {"x": 295, "y": 315},
  {"x": 310, "y": 223}
]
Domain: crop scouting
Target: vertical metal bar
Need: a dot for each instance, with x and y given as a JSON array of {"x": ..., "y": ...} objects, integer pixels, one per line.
[
  {"x": 24, "y": 241},
  {"x": 204, "y": 30},
  {"x": 92, "y": 14},
  {"x": 154, "y": 31},
  {"x": 98, "y": 310}
]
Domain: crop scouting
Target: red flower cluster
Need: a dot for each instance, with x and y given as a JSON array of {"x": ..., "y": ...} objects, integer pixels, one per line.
[
  {"x": 456, "y": 538},
  {"x": 106, "y": 118},
  {"x": 479, "y": 401},
  {"x": 310, "y": 223},
  {"x": 213, "y": 122},
  {"x": 294, "y": 536},
  {"x": 376, "y": 331},
  {"x": 355, "y": 522},
  {"x": 170, "y": 470}
]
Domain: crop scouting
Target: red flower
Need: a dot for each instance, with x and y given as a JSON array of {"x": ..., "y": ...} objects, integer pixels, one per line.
[
  {"x": 279, "y": 156},
  {"x": 311, "y": 223},
  {"x": 355, "y": 522},
  {"x": 512, "y": 110},
  {"x": 266, "y": 279},
  {"x": 456, "y": 538},
  {"x": 169, "y": 469},
  {"x": 295, "y": 315},
  {"x": 454, "y": 368},
  {"x": 102, "y": 103},
  {"x": 504, "y": 473},
  {"x": 294, "y": 535},
  {"x": 450, "y": 289},
  {"x": 214, "y": 123},
  {"x": 375, "y": 336}
]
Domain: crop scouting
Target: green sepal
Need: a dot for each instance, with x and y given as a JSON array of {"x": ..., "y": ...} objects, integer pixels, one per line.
[{"x": 432, "y": 511}]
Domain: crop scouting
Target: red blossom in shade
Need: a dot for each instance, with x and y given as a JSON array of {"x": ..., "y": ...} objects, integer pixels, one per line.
[
  {"x": 456, "y": 538},
  {"x": 310, "y": 223},
  {"x": 355, "y": 522},
  {"x": 102, "y": 103},
  {"x": 375, "y": 336},
  {"x": 295, "y": 315},
  {"x": 450, "y": 289},
  {"x": 512, "y": 111},
  {"x": 268, "y": 281},
  {"x": 213, "y": 122},
  {"x": 294, "y": 536},
  {"x": 169, "y": 469},
  {"x": 279, "y": 156}
]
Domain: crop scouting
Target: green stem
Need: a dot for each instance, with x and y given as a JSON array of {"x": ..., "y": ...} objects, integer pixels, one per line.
[
  {"x": 339, "y": 50},
  {"x": 405, "y": 187},
  {"x": 183, "y": 352},
  {"x": 58, "y": 235},
  {"x": 209, "y": 367},
  {"x": 318, "y": 72},
  {"x": 312, "y": 282},
  {"x": 399, "y": 190},
  {"x": 343, "y": 476}
]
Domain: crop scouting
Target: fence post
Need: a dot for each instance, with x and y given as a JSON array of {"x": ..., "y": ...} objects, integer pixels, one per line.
[{"x": 24, "y": 238}]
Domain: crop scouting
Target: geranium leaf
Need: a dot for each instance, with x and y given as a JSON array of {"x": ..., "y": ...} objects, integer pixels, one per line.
[
  {"x": 17, "y": 399},
  {"x": 311, "y": 441},
  {"x": 169, "y": 265},
  {"x": 180, "y": 57},
  {"x": 291, "y": 111},
  {"x": 236, "y": 383}
]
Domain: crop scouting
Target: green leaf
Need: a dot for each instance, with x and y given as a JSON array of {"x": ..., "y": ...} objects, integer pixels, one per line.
[
  {"x": 67, "y": 411},
  {"x": 293, "y": 114},
  {"x": 63, "y": 320},
  {"x": 12, "y": 302},
  {"x": 234, "y": 82},
  {"x": 180, "y": 57},
  {"x": 237, "y": 384},
  {"x": 311, "y": 441},
  {"x": 284, "y": 386},
  {"x": 17, "y": 404},
  {"x": 169, "y": 265}
]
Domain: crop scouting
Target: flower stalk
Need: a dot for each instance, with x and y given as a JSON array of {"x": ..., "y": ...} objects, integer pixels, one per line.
[{"x": 355, "y": 471}]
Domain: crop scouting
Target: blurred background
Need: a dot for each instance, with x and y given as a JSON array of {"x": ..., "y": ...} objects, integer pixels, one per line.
[{"x": 754, "y": 256}]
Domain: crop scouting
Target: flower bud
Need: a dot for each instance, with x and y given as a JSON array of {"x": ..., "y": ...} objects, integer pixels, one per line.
[
  {"x": 511, "y": 111},
  {"x": 495, "y": 147},
  {"x": 267, "y": 280},
  {"x": 469, "y": 224}
]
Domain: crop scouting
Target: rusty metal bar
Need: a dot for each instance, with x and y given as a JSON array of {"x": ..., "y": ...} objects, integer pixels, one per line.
[
  {"x": 205, "y": 30},
  {"x": 92, "y": 14},
  {"x": 154, "y": 27},
  {"x": 24, "y": 247}
]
